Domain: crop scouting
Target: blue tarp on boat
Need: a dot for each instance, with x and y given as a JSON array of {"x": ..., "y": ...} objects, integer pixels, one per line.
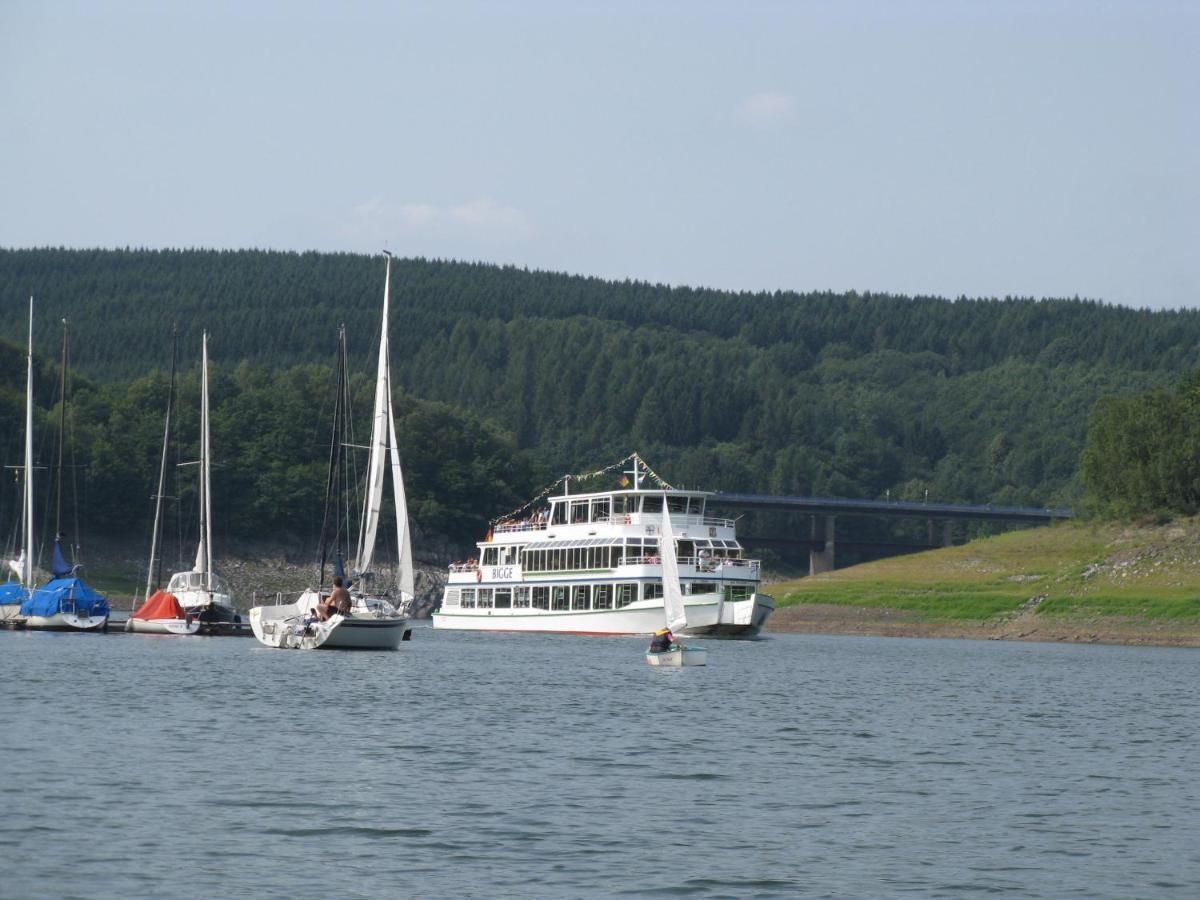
[
  {"x": 12, "y": 592},
  {"x": 65, "y": 595}
]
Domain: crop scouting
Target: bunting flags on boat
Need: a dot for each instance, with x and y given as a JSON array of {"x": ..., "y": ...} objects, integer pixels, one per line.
[{"x": 624, "y": 482}]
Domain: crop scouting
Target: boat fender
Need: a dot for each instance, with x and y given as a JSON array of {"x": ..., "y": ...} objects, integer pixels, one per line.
[
  {"x": 479, "y": 574},
  {"x": 407, "y": 635},
  {"x": 129, "y": 624},
  {"x": 188, "y": 619}
]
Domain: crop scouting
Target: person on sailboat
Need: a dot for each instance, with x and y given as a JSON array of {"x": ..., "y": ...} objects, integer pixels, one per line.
[
  {"x": 338, "y": 601},
  {"x": 662, "y": 641}
]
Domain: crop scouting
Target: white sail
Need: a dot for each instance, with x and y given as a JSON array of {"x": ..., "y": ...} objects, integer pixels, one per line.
[
  {"x": 384, "y": 450},
  {"x": 672, "y": 592}
]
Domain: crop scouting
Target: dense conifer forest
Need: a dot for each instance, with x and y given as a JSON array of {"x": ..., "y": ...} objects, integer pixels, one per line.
[{"x": 507, "y": 377}]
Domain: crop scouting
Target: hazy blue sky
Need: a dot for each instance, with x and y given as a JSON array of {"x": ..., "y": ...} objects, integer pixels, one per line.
[{"x": 985, "y": 149}]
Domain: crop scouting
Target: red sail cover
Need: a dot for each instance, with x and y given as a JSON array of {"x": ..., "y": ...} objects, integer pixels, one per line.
[{"x": 161, "y": 605}]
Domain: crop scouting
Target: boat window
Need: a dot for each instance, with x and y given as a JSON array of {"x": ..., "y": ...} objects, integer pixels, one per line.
[
  {"x": 623, "y": 504},
  {"x": 178, "y": 582},
  {"x": 558, "y": 516},
  {"x": 558, "y": 597},
  {"x": 579, "y": 597},
  {"x": 579, "y": 511},
  {"x": 491, "y": 556},
  {"x": 541, "y": 597},
  {"x": 600, "y": 507},
  {"x": 626, "y": 594},
  {"x": 510, "y": 555},
  {"x": 468, "y": 598},
  {"x": 696, "y": 506},
  {"x": 618, "y": 555},
  {"x": 651, "y": 590},
  {"x": 485, "y": 598},
  {"x": 703, "y": 587},
  {"x": 196, "y": 579},
  {"x": 738, "y": 592},
  {"x": 521, "y": 600},
  {"x": 602, "y": 596},
  {"x": 503, "y": 598},
  {"x": 650, "y": 552},
  {"x": 652, "y": 504},
  {"x": 677, "y": 505}
]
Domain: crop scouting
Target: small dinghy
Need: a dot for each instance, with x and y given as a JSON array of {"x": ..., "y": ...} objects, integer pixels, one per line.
[
  {"x": 161, "y": 614},
  {"x": 673, "y": 654}
]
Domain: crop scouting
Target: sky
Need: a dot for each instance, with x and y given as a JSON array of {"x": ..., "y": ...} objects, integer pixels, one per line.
[{"x": 1038, "y": 149}]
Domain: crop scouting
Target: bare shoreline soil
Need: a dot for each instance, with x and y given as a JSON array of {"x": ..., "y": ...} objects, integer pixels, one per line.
[{"x": 825, "y": 618}]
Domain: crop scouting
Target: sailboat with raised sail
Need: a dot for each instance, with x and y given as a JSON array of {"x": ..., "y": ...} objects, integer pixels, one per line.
[
  {"x": 161, "y": 612},
  {"x": 201, "y": 592},
  {"x": 377, "y": 619},
  {"x": 673, "y": 608},
  {"x": 14, "y": 593},
  {"x": 66, "y": 602}
]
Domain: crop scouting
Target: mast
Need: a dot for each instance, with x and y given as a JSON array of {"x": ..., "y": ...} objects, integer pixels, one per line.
[
  {"x": 204, "y": 551},
  {"x": 151, "y": 578},
  {"x": 333, "y": 480},
  {"x": 26, "y": 562},
  {"x": 62, "y": 427}
]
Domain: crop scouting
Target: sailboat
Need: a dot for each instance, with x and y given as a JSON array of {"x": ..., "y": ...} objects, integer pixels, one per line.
[
  {"x": 201, "y": 592},
  {"x": 161, "y": 613},
  {"x": 676, "y": 613},
  {"x": 376, "y": 620},
  {"x": 66, "y": 602},
  {"x": 14, "y": 593}
]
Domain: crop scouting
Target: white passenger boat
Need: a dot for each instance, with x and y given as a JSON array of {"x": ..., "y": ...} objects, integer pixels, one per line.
[
  {"x": 378, "y": 619},
  {"x": 590, "y": 563}
]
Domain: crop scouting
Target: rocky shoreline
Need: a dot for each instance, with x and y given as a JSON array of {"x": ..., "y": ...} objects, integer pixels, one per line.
[{"x": 1027, "y": 625}]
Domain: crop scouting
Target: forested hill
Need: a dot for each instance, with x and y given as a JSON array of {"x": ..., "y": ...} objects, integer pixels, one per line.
[{"x": 817, "y": 393}]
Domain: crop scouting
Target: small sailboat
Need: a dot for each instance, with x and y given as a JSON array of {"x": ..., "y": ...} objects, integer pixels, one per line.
[
  {"x": 676, "y": 614},
  {"x": 14, "y": 593},
  {"x": 201, "y": 592},
  {"x": 376, "y": 620},
  {"x": 161, "y": 613},
  {"x": 66, "y": 602}
]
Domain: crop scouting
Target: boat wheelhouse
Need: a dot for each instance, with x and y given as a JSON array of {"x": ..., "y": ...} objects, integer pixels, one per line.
[{"x": 591, "y": 563}]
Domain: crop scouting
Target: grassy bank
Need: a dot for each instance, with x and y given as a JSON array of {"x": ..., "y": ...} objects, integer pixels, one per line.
[{"x": 1095, "y": 582}]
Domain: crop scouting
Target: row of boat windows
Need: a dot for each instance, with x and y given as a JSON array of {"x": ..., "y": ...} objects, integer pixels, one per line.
[
  {"x": 599, "y": 557},
  {"x": 601, "y": 509},
  {"x": 576, "y": 597}
]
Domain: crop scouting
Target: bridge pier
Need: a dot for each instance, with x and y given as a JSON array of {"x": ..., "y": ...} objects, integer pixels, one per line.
[
  {"x": 948, "y": 533},
  {"x": 822, "y": 530}
]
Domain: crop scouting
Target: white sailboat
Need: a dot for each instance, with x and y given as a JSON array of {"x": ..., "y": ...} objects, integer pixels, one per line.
[
  {"x": 376, "y": 621},
  {"x": 201, "y": 592},
  {"x": 161, "y": 612},
  {"x": 15, "y": 593},
  {"x": 675, "y": 612}
]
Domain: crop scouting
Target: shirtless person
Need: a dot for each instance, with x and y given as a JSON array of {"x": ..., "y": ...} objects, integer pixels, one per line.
[{"x": 338, "y": 601}]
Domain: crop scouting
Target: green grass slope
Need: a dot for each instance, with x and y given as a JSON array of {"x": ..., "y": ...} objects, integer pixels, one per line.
[{"x": 1075, "y": 571}]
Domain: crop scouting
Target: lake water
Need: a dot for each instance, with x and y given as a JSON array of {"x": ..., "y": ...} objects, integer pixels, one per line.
[{"x": 554, "y": 766}]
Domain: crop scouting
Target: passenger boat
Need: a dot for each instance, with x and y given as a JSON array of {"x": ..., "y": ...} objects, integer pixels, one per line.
[
  {"x": 378, "y": 619},
  {"x": 590, "y": 563}
]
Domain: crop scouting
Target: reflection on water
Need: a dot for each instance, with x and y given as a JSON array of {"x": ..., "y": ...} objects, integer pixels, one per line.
[{"x": 526, "y": 765}]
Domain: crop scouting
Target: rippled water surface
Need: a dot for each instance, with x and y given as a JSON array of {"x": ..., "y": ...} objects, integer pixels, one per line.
[{"x": 521, "y": 765}]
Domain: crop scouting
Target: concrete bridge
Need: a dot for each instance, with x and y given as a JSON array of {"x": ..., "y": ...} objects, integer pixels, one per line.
[{"x": 824, "y": 511}]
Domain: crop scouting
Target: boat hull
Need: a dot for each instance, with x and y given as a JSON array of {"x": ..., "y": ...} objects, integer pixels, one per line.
[
  {"x": 162, "y": 626},
  {"x": 679, "y": 657},
  {"x": 64, "y": 621},
  {"x": 707, "y": 616}
]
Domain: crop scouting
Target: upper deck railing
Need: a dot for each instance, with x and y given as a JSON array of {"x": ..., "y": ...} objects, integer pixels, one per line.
[{"x": 677, "y": 521}]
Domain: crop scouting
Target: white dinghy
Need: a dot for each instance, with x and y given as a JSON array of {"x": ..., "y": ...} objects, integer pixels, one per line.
[
  {"x": 376, "y": 620},
  {"x": 676, "y": 614}
]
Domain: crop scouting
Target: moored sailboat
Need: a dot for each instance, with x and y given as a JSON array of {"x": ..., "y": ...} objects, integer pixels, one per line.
[
  {"x": 13, "y": 594},
  {"x": 376, "y": 620},
  {"x": 66, "y": 602},
  {"x": 201, "y": 592},
  {"x": 161, "y": 612}
]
